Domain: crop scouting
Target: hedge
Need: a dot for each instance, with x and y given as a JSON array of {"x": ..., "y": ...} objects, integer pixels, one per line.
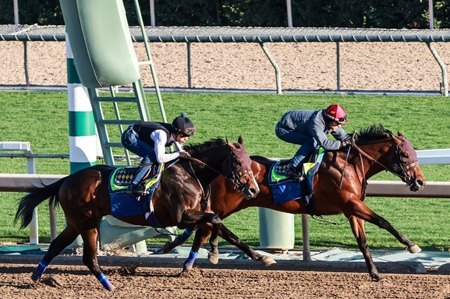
[{"x": 263, "y": 13}]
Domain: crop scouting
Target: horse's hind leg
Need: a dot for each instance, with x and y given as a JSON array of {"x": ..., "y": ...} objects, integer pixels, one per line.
[
  {"x": 65, "y": 238},
  {"x": 90, "y": 257}
]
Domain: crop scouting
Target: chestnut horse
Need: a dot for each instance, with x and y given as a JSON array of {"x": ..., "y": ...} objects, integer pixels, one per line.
[
  {"x": 338, "y": 187},
  {"x": 179, "y": 200}
]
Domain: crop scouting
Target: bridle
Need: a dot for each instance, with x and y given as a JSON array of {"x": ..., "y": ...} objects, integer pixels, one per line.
[
  {"x": 401, "y": 163},
  {"x": 236, "y": 173}
]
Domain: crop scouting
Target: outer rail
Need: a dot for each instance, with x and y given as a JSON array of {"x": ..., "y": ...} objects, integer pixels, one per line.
[{"x": 22, "y": 182}]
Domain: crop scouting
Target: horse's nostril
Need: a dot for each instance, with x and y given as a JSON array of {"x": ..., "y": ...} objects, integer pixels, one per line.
[{"x": 252, "y": 192}]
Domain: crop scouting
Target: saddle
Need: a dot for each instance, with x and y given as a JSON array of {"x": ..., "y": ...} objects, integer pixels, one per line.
[
  {"x": 280, "y": 169},
  {"x": 122, "y": 177},
  {"x": 286, "y": 188},
  {"x": 124, "y": 204}
]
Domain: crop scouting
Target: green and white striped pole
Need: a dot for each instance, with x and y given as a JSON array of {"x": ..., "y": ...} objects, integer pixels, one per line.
[{"x": 82, "y": 134}]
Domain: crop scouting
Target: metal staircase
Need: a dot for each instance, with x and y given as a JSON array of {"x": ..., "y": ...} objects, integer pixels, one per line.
[
  {"x": 115, "y": 124},
  {"x": 112, "y": 123}
]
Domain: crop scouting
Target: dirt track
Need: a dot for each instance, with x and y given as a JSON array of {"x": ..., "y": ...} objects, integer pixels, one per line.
[
  {"x": 307, "y": 66},
  {"x": 381, "y": 66},
  {"x": 76, "y": 282}
]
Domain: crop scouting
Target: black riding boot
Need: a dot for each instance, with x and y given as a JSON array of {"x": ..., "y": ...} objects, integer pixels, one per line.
[
  {"x": 296, "y": 172},
  {"x": 136, "y": 186}
]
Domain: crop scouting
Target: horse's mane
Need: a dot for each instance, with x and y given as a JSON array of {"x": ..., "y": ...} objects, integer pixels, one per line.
[
  {"x": 201, "y": 147},
  {"x": 373, "y": 132}
]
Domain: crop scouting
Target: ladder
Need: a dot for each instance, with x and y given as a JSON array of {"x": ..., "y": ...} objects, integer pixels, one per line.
[{"x": 105, "y": 122}]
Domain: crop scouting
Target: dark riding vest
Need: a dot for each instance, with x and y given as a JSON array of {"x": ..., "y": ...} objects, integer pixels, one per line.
[{"x": 144, "y": 129}]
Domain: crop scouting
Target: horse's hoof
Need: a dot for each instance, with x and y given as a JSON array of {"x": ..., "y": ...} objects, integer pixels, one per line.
[
  {"x": 268, "y": 261},
  {"x": 213, "y": 258},
  {"x": 166, "y": 248},
  {"x": 35, "y": 277},
  {"x": 187, "y": 268},
  {"x": 376, "y": 277},
  {"x": 414, "y": 249}
]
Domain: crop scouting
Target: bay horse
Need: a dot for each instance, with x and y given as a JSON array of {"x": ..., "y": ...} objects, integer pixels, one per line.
[
  {"x": 338, "y": 187},
  {"x": 179, "y": 200}
]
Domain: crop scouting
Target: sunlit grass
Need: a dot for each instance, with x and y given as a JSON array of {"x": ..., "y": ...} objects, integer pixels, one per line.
[{"x": 42, "y": 119}]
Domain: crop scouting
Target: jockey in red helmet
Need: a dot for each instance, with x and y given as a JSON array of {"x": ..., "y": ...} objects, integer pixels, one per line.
[
  {"x": 336, "y": 113},
  {"x": 310, "y": 128},
  {"x": 150, "y": 139}
]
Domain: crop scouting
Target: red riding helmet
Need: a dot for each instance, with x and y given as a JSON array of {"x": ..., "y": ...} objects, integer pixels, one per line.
[{"x": 337, "y": 113}]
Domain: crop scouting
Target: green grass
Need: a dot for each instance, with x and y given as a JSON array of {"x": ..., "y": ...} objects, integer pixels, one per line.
[{"x": 42, "y": 119}]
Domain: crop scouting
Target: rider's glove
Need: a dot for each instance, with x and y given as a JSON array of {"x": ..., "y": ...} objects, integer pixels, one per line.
[
  {"x": 346, "y": 143},
  {"x": 184, "y": 154}
]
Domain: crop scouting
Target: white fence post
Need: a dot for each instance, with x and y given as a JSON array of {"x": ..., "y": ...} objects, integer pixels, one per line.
[{"x": 31, "y": 165}]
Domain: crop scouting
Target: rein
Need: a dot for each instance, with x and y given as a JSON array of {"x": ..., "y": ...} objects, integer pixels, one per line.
[
  {"x": 365, "y": 155},
  {"x": 206, "y": 194},
  {"x": 232, "y": 178},
  {"x": 203, "y": 164}
]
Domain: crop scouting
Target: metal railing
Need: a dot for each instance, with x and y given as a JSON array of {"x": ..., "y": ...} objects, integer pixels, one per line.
[
  {"x": 12, "y": 182},
  {"x": 20, "y": 183}
]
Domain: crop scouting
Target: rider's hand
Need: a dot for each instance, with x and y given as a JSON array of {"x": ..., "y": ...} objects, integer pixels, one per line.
[
  {"x": 184, "y": 154},
  {"x": 346, "y": 143}
]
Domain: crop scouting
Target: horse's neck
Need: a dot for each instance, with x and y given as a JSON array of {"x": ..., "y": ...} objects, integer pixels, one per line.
[
  {"x": 214, "y": 159},
  {"x": 380, "y": 152},
  {"x": 260, "y": 167}
]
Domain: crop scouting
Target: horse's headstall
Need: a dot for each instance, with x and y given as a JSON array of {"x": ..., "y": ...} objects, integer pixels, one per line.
[{"x": 403, "y": 158}]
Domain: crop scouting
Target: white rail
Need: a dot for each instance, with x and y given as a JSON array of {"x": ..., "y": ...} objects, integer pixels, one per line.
[{"x": 20, "y": 183}]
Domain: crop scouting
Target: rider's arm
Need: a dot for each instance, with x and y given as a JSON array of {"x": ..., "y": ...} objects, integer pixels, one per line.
[
  {"x": 159, "y": 137},
  {"x": 340, "y": 134},
  {"x": 317, "y": 131}
]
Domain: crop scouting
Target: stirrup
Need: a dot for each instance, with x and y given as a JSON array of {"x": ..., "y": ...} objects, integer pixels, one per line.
[
  {"x": 294, "y": 173},
  {"x": 137, "y": 189}
]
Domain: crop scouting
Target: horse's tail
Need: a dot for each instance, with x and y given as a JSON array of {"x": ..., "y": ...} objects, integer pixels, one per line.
[{"x": 35, "y": 196}]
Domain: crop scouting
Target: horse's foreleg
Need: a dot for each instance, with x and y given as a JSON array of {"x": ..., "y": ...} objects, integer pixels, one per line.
[
  {"x": 357, "y": 226},
  {"x": 383, "y": 223},
  {"x": 364, "y": 212},
  {"x": 180, "y": 239},
  {"x": 213, "y": 254},
  {"x": 225, "y": 233},
  {"x": 201, "y": 235},
  {"x": 90, "y": 257},
  {"x": 191, "y": 218},
  {"x": 65, "y": 238}
]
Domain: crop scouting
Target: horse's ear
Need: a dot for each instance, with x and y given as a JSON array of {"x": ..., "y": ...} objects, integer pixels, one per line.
[
  {"x": 396, "y": 139},
  {"x": 230, "y": 144},
  {"x": 241, "y": 140}
]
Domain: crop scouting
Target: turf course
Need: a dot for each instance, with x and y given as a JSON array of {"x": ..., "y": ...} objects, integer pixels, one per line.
[{"x": 42, "y": 119}]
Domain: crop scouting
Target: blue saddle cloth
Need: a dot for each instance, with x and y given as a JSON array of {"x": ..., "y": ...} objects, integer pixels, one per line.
[{"x": 285, "y": 189}]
